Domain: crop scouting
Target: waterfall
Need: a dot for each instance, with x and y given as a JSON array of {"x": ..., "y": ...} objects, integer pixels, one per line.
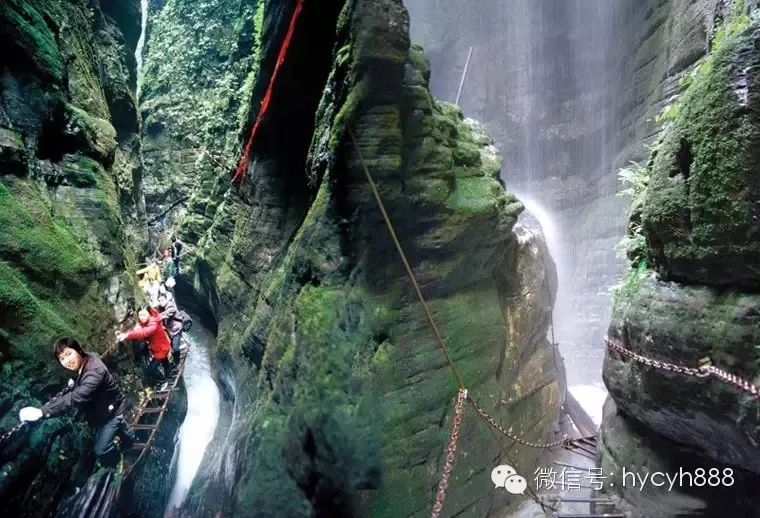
[
  {"x": 546, "y": 79},
  {"x": 591, "y": 393},
  {"x": 201, "y": 420},
  {"x": 141, "y": 41}
]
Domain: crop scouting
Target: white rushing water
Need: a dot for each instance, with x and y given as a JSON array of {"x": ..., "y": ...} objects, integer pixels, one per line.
[
  {"x": 546, "y": 78},
  {"x": 590, "y": 396},
  {"x": 202, "y": 416},
  {"x": 141, "y": 41}
]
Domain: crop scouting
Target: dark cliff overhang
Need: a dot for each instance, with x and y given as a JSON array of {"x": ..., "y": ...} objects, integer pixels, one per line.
[{"x": 285, "y": 132}]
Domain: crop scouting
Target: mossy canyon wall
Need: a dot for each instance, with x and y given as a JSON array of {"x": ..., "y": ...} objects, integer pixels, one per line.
[
  {"x": 70, "y": 210},
  {"x": 345, "y": 398},
  {"x": 691, "y": 292}
]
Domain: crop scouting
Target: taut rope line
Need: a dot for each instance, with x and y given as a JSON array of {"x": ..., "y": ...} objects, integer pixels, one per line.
[{"x": 408, "y": 268}]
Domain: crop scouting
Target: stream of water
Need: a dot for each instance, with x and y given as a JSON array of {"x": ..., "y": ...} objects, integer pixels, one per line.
[
  {"x": 202, "y": 415},
  {"x": 591, "y": 393},
  {"x": 141, "y": 41}
]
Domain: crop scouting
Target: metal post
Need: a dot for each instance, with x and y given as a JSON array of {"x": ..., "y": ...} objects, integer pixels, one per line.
[{"x": 464, "y": 74}]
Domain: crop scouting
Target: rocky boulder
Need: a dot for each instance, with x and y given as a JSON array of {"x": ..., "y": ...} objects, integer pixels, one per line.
[
  {"x": 702, "y": 213},
  {"x": 692, "y": 296}
]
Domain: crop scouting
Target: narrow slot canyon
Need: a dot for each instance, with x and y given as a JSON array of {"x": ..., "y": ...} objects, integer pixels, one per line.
[{"x": 349, "y": 258}]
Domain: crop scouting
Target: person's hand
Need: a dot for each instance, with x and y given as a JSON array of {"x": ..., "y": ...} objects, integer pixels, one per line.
[
  {"x": 30, "y": 413},
  {"x": 121, "y": 337}
]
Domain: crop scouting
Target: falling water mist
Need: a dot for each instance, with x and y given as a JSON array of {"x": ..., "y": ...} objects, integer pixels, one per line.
[
  {"x": 545, "y": 77},
  {"x": 141, "y": 42}
]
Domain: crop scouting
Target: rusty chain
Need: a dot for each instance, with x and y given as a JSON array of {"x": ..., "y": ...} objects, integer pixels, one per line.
[
  {"x": 451, "y": 451},
  {"x": 564, "y": 441},
  {"x": 700, "y": 372},
  {"x": 705, "y": 370},
  {"x": 744, "y": 385}
]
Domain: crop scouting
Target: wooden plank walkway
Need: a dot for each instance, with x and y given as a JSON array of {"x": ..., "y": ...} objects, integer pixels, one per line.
[{"x": 155, "y": 404}]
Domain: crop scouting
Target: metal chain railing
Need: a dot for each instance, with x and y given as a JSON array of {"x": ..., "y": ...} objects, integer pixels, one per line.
[
  {"x": 451, "y": 451},
  {"x": 705, "y": 370},
  {"x": 564, "y": 441},
  {"x": 441, "y": 494},
  {"x": 10, "y": 433},
  {"x": 751, "y": 389},
  {"x": 698, "y": 372}
]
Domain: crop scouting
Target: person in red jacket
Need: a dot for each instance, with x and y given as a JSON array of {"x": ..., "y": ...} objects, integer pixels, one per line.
[{"x": 151, "y": 328}]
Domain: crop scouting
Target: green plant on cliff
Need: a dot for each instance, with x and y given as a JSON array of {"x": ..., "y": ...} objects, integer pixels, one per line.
[
  {"x": 736, "y": 21},
  {"x": 697, "y": 215},
  {"x": 669, "y": 113},
  {"x": 628, "y": 285},
  {"x": 634, "y": 180},
  {"x": 690, "y": 194}
]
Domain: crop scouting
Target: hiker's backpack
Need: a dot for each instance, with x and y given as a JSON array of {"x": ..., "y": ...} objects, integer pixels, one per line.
[{"x": 187, "y": 322}]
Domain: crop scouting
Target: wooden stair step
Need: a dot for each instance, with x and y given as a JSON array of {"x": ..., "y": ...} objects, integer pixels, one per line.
[{"x": 144, "y": 427}]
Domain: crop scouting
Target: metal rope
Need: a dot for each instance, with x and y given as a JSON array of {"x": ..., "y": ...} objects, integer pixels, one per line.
[
  {"x": 706, "y": 369},
  {"x": 492, "y": 425},
  {"x": 10, "y": 433},
  {"x": 564, "y": 441},
  {"x": 408, "y": 268}
]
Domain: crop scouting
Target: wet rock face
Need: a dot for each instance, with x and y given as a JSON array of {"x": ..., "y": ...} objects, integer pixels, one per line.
[
  {"x": 571, "y": 93},
  {"x": 695, "y": 411},
  {"x": 702, "y": 213},
  {"x": 68, "y": 166},
  {"x": 626, "y": 444},
  {"x": 194, "y": 105},
  {"x": 348, "y": 398},
  {"x": 693, "y": 292}
]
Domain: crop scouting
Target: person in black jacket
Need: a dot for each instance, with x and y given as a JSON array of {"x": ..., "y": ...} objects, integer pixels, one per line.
[
  {"x": 176, "y": 250},
  {"x": 95, "y": 393}
]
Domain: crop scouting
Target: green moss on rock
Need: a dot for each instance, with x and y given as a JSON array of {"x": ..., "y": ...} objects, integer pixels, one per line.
[
  {"x": 349, "y": 395},
  {"x": 13, "y": 158},
  {"x": 700, "y": 214},
  {"x": 63, "y": 253},
  {"x": 96, "y": 136},
  {"x": 26, "y": 32}
]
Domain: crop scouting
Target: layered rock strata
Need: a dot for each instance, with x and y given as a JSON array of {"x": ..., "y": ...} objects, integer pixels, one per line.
[
  {"x": 69, "y": 220},
  {"x": 346, "y": 397},
  {"x": 692, "y": 293}
]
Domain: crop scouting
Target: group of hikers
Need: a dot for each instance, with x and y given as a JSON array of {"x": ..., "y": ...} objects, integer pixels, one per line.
[
  {"x": 168, "y": 268},
  {"x": 94, "y": 391}
]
